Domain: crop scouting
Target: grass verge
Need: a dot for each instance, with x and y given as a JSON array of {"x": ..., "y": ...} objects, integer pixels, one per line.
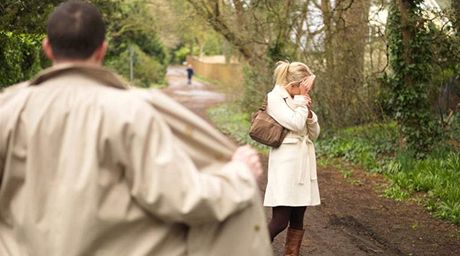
[{"x": 433, "y": 181}]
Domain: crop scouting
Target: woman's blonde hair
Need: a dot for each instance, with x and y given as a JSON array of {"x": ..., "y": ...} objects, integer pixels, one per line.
[{"x": 286, "y": 72}]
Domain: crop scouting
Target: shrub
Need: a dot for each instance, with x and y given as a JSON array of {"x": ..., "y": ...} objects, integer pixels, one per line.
[
  {"x": 20, "y": 57},
  {"x": 147, "y": 71}
]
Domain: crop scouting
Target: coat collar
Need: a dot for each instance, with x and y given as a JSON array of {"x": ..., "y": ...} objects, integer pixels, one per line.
[
  {"x": 99, "y": 73},
  {"x": 281, "y": 91}
]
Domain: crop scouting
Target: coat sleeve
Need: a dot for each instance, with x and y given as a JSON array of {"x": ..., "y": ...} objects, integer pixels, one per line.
[
  {"x": 164, "y": 180},
  {"x": 313, "y": 127},
  {"x": 2, "y": 147},
  {"x": 2, "y": 166},
  {"x": 2, "y": 143},
  {"x": 293, "y": 120},
  {"x": 8, "y": 109}
]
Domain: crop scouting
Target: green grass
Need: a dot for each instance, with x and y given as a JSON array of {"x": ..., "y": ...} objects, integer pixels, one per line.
[
  {"x": 206, "y": 80},
  {"x": 234, "y": 123},
  {"x": 436, "y": 179},
  {"x": 433, "y": 181},
  {"x": 364, "y": 145},
  {"x": 438, "y": 176}
]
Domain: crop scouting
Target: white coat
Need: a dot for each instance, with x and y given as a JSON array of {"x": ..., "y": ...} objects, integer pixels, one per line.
[{"x": 292, "y": 179}]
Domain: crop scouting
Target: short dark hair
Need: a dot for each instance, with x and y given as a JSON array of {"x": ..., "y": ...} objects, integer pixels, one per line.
[{"x": 75, "y": 30}]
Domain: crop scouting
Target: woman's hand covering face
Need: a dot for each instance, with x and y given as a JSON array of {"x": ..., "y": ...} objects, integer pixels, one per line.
[{"x": 307, "y": 84}]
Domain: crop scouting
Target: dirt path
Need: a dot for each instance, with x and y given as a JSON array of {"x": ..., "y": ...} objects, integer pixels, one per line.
[
  {"x": 196, "y": 96},
  {"x": 353, "y": 218}
]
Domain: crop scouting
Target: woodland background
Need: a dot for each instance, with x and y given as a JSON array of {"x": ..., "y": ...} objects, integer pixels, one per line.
[{"x": 388, "y": 88}]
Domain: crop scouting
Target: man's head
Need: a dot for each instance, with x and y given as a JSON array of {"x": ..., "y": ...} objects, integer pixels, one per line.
[{"x": 76, "y": 33}]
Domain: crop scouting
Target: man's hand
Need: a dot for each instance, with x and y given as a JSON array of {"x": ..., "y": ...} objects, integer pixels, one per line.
[{"x": 250, "y": 157}]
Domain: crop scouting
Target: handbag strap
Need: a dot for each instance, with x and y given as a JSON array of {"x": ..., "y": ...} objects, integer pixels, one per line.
[{"x": 264, "y": 104}]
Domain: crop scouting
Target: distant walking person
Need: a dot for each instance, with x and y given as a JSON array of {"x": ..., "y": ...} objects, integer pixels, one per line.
[
  {"x": 292, "y": 183},
  {"x": 190, "y": 73}
]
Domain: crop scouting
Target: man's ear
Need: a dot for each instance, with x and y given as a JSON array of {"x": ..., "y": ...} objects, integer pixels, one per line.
[
  {"x": 100, "y": 53},
  {"x": 47, "y": 49}
]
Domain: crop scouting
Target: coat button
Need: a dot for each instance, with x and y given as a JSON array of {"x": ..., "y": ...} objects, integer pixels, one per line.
[{"x": 256, "y": 227}]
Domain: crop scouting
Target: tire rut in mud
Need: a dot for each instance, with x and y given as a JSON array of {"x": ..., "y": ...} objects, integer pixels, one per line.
[{"x": 362, "y": 236}]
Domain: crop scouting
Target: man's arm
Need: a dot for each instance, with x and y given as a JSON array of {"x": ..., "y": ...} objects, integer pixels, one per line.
[
  {"x": 7, "y": 110},
  {"x": 3, "y": 134},
  {"x": 165, "y": 181},
  {"x": 2, "y": 166}
]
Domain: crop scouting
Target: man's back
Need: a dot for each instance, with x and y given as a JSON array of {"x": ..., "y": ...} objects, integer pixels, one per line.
[
  {"x": 65, "y": 164},
  {"x": 90, "y": 168}
]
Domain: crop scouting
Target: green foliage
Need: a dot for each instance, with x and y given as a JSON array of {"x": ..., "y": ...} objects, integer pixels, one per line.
[
  {"x": 30, "y": 16},
  {"x": 453, "y": 136},
  {"x": 20, "y": 57},
  {"x": 180, "y": 54},
  {"x": 129, "y": 28},
  {"x": 150, "y": 57},
  {"x": 437, "y": 175},
  {"x": 191, "y": 34},
  {"x": 352, "y": 144},
  {"x": 212, "y": 45},
  {"x": 151, "y": 45},
  {"x": 147, "y": 71},
  {"x": 456, "y": 16},
  {"x": 25, "y": 16},
  {"x": 375, "y": 147},
  {"x": 257, "y": 83},
  {"x": 20, "y": 53},
  {"x": 411, "y": 59},
  {"x": 423, "y": 56},
  {"x": 397, "y": 193},
  {"x": 235, "y": 123},
  {"x": 258, "y": 79}
]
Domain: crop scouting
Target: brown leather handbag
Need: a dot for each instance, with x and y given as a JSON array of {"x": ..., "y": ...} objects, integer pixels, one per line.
[{"x": 266, "y": 130}]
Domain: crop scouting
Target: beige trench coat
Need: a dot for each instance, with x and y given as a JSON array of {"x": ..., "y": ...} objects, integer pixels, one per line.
[
  {"x": 292, "y": 179},
  {"x": 88, "y": 167}
]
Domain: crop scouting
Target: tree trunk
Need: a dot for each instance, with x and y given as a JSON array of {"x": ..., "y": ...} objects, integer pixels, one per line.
[
  {"x": 347, "y": 33},
  {"x": 327, "y": 19},
  {"x": 403, "y": 7},
  {"x": 210, "y": 10},
  {"x": 456, "y": 8}
]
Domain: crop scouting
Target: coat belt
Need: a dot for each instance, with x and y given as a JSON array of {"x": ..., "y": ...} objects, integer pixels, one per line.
[{"x": 306, "y": 164}]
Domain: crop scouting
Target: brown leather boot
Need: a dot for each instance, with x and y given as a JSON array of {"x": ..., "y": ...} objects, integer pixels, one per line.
[{"x": 293, "y": 242}]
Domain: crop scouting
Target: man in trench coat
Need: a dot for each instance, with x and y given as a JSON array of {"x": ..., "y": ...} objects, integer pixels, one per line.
[{"x": 90, "y": 167}]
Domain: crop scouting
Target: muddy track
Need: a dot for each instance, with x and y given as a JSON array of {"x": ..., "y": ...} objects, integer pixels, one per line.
[
  {"x": 353, "y": 219},
  {"x": 363, "y": 236}
]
